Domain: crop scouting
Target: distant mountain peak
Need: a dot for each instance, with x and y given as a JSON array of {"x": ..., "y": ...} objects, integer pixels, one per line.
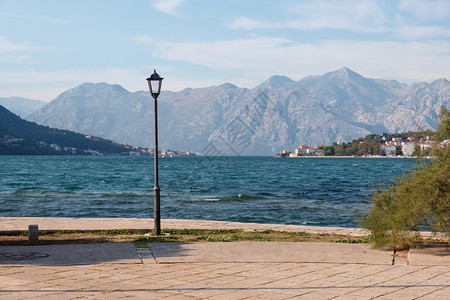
[
  {"x": 346, "y": 70},
  {"x": 118, "y": 87},
  {"x": 101, "y": 87},
  {"x": 441, "y": 81},
  {"x": 21, "y": 106},
  {"x": 228, "y": 86},
  {"x": 345, "y": 74},
  {"x": 91, "y": 85},
  {"x": 277, "y": 81}
]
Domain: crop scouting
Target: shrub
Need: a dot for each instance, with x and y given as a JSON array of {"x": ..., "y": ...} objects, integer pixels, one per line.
[{"x": 419, "y": 200}]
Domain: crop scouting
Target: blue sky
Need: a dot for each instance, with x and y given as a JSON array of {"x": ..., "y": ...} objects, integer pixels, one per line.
[{"x": 49, "y": 46}]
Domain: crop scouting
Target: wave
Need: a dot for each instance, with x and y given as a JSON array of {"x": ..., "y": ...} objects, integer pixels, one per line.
[
  {"x": 34, "y": 191},
  {"x": 236, "y": 197},
  {"x": 244, "y": 197},
  {"x": 209, "y": 200}
]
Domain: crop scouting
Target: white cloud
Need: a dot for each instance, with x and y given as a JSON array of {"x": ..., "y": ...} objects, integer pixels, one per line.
[
  {"x": 250, "y": 24},
  {"x": 143, "y": 39},
  {"x": 350, "y": 15},
  {"x": 167, "y": 6},
  {"x": 394, "y": 21},
  {"x": 12, "y": 53},
  {"x": 427, "y": 9},
  {"x": 361, "y": 16},
  {"x": 233, "y": 54},
  {"x": 7, "y": 46},
  {"x": 55, "y": 20},
  {"x": 14, "y": 59},
  {"x": 263, "y": 57},
  {"x": 421, "y": 32},
  {"x": 47, "y": 85}
]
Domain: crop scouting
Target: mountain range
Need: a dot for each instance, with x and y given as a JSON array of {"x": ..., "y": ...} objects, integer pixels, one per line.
[{"x": 278, "y": 114}]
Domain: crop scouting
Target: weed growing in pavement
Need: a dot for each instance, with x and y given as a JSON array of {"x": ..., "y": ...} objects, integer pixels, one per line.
[{"x": 352, "y": 241}]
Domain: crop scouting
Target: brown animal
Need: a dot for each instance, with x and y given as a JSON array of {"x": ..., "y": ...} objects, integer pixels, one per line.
[{"x": 404, "y": 252}]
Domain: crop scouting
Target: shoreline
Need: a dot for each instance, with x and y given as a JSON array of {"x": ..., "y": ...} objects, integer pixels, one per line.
[
  {"x": 403, "y": 157},
  {"x": 14, "y": 224}
]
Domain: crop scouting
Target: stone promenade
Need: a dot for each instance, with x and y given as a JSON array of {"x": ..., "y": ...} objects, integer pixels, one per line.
[{"x": 238, "y": 270}]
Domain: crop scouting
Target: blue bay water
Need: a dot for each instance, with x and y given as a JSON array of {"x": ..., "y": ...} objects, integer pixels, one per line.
[{"x": 304, "y": 191}]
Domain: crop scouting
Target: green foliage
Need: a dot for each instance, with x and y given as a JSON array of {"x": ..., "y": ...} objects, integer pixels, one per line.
[
  {"x": 116, "y": 232},
  {"x": 140, "y": 242},
  {"x": 222, "y": 238},
  {"x": 300, "y": 233},
  {"x": 419, "y": 200},
  {"x": 259, "y": 238},
  {"x": 186, "y": 231},
  {"x": 369, "y": 148},
  {"x": 352, "y": 241},
  {"x": 443, "y": 131}
]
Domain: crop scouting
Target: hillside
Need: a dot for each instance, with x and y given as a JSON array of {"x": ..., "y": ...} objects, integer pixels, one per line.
[
  {"x": 18, "y": 136},
  {"x": 226, "y": 120}
]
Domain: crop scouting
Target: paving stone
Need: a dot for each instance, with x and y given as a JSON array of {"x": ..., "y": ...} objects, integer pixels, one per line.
[
  {"x": 438, "y": 294},
  {"x": 204, "y": 292},
  {"x": 230, "y": 275},
  {"x": 54, "y": 255},
  {"x": 240, "y": 294}
]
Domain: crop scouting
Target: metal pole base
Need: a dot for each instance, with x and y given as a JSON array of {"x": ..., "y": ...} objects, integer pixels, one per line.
[{"x": 157, "y": 210}]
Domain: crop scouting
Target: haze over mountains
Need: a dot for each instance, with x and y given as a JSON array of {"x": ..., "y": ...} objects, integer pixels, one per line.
[
  {"x": 278, "y": 114},
  {"x": 21, "y": 106}
]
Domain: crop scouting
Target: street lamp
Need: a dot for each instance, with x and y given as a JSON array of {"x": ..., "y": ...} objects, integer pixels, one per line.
[{"x": 154, "y": 84}]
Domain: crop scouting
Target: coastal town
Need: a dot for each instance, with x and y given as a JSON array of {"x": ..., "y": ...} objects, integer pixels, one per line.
[
  {"x": 41, "y": 147},
  {"x": 396, "y": 146},
  {"x": 137, "y": 151}
]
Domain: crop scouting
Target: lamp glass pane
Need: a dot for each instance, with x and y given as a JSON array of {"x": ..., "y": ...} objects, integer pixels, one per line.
[{"x": 155, "y": 86}]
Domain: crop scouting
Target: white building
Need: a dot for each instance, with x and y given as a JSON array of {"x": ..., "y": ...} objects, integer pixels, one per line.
[
  {"x": 389, "y": 150},
  {"x": 302, "y": 150}
]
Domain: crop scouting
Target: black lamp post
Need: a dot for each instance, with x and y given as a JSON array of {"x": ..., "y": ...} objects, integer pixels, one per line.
[{"x": 154, "y": 84}]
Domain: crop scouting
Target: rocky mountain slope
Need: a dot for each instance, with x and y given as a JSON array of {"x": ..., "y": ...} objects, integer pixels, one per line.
[{"x": 278, "y": 114}]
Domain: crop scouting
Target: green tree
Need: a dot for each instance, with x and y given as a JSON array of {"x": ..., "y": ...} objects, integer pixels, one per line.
[
  {"x": 443, "y": 131},
  {"x": 329, "y": 150},
  {"x": 369, "y": 148},
  {"x": 339, "y": 151},
  {"x": 419, "y": 200}
]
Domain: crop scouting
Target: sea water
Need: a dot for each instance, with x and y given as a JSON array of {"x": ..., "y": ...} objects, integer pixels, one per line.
[{"x": 304, "y": 191}]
